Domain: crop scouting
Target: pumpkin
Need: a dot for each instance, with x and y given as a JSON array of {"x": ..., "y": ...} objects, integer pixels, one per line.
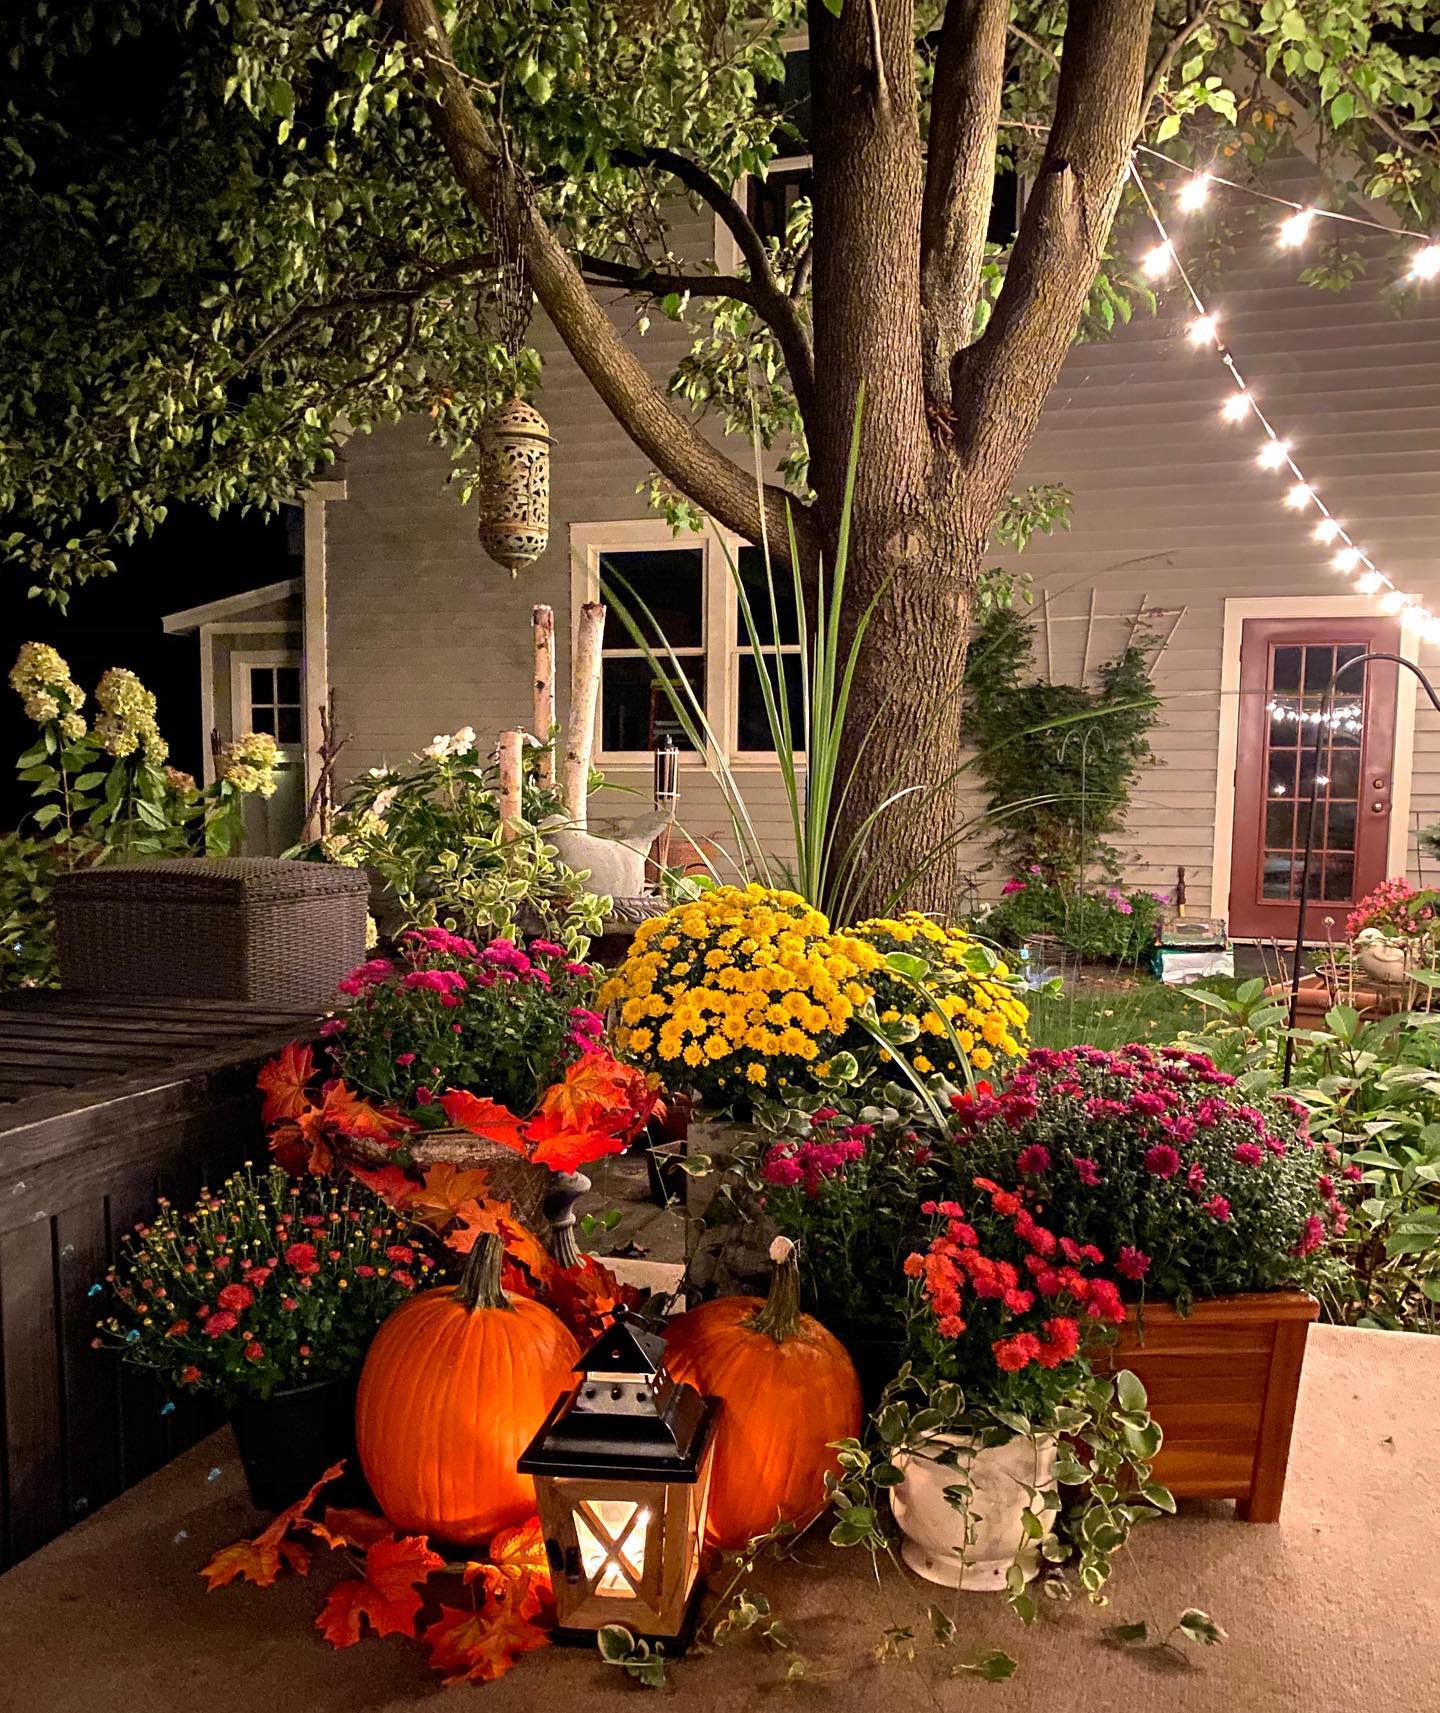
[
  {"x": 788, "y": 1388},
  {"x": 456, "y": 1384}
]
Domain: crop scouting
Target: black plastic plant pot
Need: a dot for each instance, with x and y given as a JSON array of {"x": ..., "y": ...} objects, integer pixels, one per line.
[{"x": 288, "y": 1440}]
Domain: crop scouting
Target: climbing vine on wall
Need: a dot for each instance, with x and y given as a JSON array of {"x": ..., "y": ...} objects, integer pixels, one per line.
[{"x": 1058, "y": 761}]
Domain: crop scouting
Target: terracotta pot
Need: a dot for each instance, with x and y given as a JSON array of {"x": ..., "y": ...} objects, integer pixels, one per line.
[
  {"x": 1222, "y": 1383},
  {"x": 934, "y": 1530}
]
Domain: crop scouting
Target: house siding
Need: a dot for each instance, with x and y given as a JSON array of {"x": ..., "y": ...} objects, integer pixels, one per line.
[{"x": 1170, "y": 514}]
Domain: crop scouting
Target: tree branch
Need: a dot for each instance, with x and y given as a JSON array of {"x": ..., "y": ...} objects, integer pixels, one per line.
[
  {"x": 1196, "y": 18},
  {"x": 1000, "y": 382},
  {"x": 695, "y": 178},
  {"x": 496, "y": 188},
  {"x": 959, "y": 178}
]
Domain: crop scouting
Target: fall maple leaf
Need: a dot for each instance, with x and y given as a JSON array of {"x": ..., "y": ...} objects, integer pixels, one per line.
[
  {"x": 518, "y": 1569},
  {"x": 586, "y": 1297},
  {"x": 349, "y": 1114},
  {"x": 474, "y": 1218},
  {"x": 348, "y": 1525},
  {"x": 480, "y": 1646},
  {"x": 444, "y": 1190},
  {"x": 564, "y": 1146},
  {"x": 482, "y": 1117},
  {"x": 283, "y": 1081},
  {"x": 259, "y": 1560},
  {"x": 390, "y": 1183},
  {"x": 386, "y": 1594}
]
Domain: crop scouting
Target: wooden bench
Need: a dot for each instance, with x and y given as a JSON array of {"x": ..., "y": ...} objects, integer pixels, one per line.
[{"x": 105, "y": 1104}]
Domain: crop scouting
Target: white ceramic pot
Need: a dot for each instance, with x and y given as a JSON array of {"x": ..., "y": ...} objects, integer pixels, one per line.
[{"x": 934, "y": 1530}]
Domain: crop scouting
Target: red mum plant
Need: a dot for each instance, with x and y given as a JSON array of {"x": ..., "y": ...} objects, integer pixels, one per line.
[{"x": 1005, "y": 1305}]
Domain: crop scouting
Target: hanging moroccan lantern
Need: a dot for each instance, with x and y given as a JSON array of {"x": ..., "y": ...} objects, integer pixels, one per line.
[{"x": 514, "y": 488}]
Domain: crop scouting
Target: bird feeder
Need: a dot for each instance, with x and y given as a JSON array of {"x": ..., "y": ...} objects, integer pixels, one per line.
[
  {"x": 622, "y": 1476},
  {"x": 514, "y": 484}
]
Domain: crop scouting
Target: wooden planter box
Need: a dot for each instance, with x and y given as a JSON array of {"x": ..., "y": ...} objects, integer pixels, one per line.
[{"x": 1222, "y": 1383}]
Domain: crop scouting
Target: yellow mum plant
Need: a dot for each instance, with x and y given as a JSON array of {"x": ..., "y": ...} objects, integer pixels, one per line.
[
  {"x": 744, "y": 991},
  {"x": 975, "y": 992}
]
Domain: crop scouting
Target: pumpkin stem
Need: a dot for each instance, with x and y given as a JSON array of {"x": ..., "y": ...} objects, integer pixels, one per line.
[
  {"x": 479, "y": 1286},
  {"x": 779, "y": 1318}
]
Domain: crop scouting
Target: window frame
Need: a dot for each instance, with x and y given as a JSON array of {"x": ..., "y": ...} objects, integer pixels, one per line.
[
  {"x": 242, "y": 706},
  {"x": 722, "y": 631}
]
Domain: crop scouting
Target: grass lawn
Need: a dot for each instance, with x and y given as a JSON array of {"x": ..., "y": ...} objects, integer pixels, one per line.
[{"x": 1108, "y": 1007}]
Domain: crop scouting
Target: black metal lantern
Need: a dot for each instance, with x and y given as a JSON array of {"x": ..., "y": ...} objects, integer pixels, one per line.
[{"x": 622, "y": 1475}]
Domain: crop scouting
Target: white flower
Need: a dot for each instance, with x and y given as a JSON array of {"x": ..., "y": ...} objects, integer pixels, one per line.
[
  {"x": 383, "y": 800},
  {"x": 463, "y": 739},
  {"x": 438, "y": 747}
]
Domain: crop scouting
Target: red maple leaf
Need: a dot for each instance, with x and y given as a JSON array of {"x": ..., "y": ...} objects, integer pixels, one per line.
[
  {"x": 349, "y": 1114},
  {"x": 386, "y": 1594},
  {"x": 521, "y": 1244},
  {"x": 480, "y": 1646},
  {"x": 482, "y": 1117},
  {"x": 388, "y": 1182},
  {"x": 283, "y": 1082},
  {"x": 348, "y": 1525},
  {"x": 259, "y": 1560},
  {"x": 586, "y": 1297},
  {"x": 565, "y": 1146},
  {"x": 518, "y": 1569}
]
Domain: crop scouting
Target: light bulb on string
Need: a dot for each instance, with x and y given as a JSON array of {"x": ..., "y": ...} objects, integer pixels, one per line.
[
  {"x": 1204, "y": 330},
  {"x": 1194, "y": 193},
  {"x": 1430, "y": 631},
  {"x": 1425, "y": 263},
  {"x": 1156, "y": 264},
  {"x": 1294, "y": 231},
  {"x": 1327, "y": 530},
  {"x": 1273, "y": 455},
  {"x": 1299, "y": 496},
  {"x": 1392, "y": 601},
  {"x": 1348, "y": 559},
  {"x": 1368, "y": 582},
  {"x": 1236, "y": 408}
]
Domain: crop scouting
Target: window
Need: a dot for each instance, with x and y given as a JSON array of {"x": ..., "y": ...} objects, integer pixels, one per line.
[
  {"x": 686, "y": 586},
  {"x": 268, "y": 697}
]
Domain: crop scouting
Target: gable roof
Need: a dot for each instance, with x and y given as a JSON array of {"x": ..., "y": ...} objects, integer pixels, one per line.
[{"x": 229, "y": 607}]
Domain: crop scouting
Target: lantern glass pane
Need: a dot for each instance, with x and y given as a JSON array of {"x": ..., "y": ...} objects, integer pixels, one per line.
[{"x": 611, "y": 1537}]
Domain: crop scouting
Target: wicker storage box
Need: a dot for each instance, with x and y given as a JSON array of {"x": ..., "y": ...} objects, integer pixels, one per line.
[{"x": 258, "y": 929}]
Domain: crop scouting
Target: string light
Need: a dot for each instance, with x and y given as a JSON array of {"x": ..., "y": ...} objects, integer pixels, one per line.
[
  {"x": 1294, "y": 231},
  {"x": 1194, "y": 193},
  {"x": 1240, "y": 405}
]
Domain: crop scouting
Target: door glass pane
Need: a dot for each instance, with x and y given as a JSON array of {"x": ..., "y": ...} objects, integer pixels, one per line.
[
  {"x": 1279, "y": 866},
  {"x": 1280, "y": 775},
  {"x": 287, "y": 684},
  {"x": 1285, "y": 667},
  {"x": 1339, "y": 878},
  {"x": 287, "y": 725},
  {"x": 262, "y": 684},
  {"x": 263, "y": 720},
  {"x": 1280, "y": 823}
]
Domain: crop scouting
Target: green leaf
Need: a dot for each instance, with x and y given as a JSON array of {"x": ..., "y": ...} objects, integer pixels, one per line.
[
  {"x": 1342, "y": 108},
  {"x": 943, "y": 1626},
  {"x": 1129, "y": 1391},
  {"x": 907, "y": 964},
  {"x": 1198, "y": 1626},
  {"x": 615, "y": 1642},
  {"x": 1160, "y": 1497},
  {"x": 1168, "y": 127},
  {"x": 995, "y": 1666},
  {"x": 1130, "y": 1634}
]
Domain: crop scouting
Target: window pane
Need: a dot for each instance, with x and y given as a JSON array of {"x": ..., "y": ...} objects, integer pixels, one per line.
[
  {"x": 771, "y": 199},
  {"x": 1339, "y": 878},
  {"x": 635, "y": 709},
  {"x": 263, "y": 720},
  {"x": 670, "y": 582},
  {"x": 288, "y": 725},
  {"x": 262, "y": 684},
  {"x": 1285, "y": 668},
  {"x": 1278, "y": 870},
  {"x": 750, "y": 562},
  {"x": 754, "y": 727},
  {"x": 287, "y": 684}
]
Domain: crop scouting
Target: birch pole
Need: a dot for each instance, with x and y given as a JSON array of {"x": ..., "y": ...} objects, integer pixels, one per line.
[
  {"x": 584, "y": 700},
  {"x": 543, "y": 719},
  {"x": 510, "y": 753}
]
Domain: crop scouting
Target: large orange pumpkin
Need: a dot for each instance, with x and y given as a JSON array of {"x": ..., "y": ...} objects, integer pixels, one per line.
[
  {"x": 456, "y": 1384},
  {"x": 788, "y": 1389}
]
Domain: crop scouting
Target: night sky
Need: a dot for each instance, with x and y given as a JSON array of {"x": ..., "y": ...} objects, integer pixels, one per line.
[{"x": 115, "y": 621}]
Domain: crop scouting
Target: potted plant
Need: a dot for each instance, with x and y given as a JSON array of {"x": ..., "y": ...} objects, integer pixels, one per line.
[
  {"x": 999, "y": 1414},
  {"x": 1218, "y": 1211},
  {"x": 266, "y": 1295}
]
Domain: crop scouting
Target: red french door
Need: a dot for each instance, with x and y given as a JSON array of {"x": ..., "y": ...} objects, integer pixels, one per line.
[{"x": 1285, "y": 667}]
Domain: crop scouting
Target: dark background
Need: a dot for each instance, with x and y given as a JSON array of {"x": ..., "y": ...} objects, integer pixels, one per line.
[{"x": 115, "y": 621}]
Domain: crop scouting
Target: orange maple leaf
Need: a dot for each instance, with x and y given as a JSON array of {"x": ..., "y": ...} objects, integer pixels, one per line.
[
  {"x": 348, "y": 1525},
  {"x": 487, "y": 1118},
  {"x": 518, "y": 1569},
  {"x": 283, "y": 1082},
  {"x": 349, "y": 1114},
  {"x": 521, "y": 1244},
  {"x": 586, "y": 1297},
  {"x": 478, "y": 1647},
  {"x": 444, "y": 1190},
  {"x": 259, "y": 1560},
  {"x": 565, "y": 1146},
  {"x": 388, "y": 1182},
  {"x": 386, "y": 1594}
]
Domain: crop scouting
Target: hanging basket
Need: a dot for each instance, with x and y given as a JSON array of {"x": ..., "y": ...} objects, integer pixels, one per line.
[{"x": 514, "y": 490}]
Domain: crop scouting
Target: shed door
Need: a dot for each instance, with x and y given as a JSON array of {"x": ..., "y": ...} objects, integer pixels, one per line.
[
  {"x": 267, "y": 697},
  {"x": 1285, "y": 667}
]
